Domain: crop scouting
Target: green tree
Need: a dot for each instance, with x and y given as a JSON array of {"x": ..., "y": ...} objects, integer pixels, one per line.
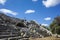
[{"x": 55, "y": 25}]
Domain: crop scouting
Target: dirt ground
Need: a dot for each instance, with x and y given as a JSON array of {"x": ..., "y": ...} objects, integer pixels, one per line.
[{"x": 46, "y": 38}]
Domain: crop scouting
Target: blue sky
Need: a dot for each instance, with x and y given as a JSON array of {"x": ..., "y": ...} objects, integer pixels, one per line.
[{"x": 42, "y": 11}]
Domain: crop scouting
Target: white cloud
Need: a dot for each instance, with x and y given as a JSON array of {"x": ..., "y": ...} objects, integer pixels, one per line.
[
  {"x": 2, "y": 2},
  {"x": 34, "y": 0},
  {"x": 44, "y": 24},
  {"x": 47, "y": 18},
  {"x": 50, "y": 3},
  {"x": 29, "y": 11},
  {"x": 6, "y": 11}
]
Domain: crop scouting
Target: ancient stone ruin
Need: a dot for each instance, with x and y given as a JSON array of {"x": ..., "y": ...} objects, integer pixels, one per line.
[{"x": 13, "y": 27}]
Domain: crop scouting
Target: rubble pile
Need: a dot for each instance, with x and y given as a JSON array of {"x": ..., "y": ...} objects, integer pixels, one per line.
[{"x": 10, "y": 27}]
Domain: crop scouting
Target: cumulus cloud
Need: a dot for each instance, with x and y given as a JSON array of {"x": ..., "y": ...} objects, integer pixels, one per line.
[
  {"x": 50, "y": 3},
  {"x": 34, "y": 0},
  {"x": 44, "y": 24},
  {"x": 6, "y": 11},
  {"x": 2, "y": 2},
  {"x": 29, "y": 11},
  {"x": 47, "y": 18}
]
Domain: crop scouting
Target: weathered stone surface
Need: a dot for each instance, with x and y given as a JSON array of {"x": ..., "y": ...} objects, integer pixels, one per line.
[{"x": 18, "y": 27}]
